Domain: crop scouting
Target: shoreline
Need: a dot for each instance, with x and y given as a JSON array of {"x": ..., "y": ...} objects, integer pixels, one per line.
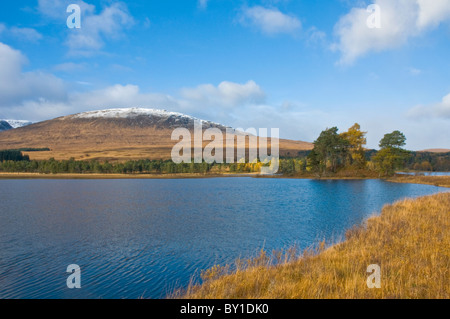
[
  {"x": 6, "y": 176},
  {"x": 115, "y": 176},
  {"x": 440, "y": 181}
]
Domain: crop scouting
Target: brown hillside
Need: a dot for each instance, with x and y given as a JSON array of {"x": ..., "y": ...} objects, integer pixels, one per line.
[
  {"x": 111, "y": 138},
  {"x": 437, "y": 150}
]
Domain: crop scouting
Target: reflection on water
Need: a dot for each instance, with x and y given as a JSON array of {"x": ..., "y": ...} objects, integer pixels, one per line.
[{"x": 143, "y": 238}]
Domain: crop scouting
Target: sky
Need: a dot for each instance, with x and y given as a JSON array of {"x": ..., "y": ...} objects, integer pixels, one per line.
[{"x": 298, "y": 65}]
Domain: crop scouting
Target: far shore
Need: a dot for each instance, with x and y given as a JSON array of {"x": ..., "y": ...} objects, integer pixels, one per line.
[
  {"x": 20, "y": 175},
  {"x": 441, "y": 181},
  {"x": 115, "y": 176}
]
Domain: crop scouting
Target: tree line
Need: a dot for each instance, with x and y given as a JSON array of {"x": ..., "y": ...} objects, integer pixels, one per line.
[
  {"x": 334, "y": 153},
  {"x": 72, "y": 166},
  {"x": 13, "y": 155}
]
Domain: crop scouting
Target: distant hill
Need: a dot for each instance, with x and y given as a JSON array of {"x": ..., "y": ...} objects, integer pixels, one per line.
[
  {"x": 114, "y": 134},
  {"x": 437, "y": 150}
]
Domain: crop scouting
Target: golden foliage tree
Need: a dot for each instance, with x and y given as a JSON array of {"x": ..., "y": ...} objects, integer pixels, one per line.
[{"x": 356, "y": 139}]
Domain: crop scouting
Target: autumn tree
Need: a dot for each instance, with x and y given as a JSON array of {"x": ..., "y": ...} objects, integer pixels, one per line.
[
  {"x": 330, "y": 151},
  {"x": 356, "y": 140}
]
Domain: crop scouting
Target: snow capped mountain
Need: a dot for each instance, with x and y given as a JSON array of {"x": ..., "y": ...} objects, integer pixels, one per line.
[
  {"x": 136, "y": 112},
  {"x": 114, "y": 134},
  {"x": 128, "y": 113},
  {"x": 17, "y": 123}
]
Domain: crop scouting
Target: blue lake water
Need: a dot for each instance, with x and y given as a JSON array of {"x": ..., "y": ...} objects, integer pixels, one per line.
[{"x": 143, "y": 238}]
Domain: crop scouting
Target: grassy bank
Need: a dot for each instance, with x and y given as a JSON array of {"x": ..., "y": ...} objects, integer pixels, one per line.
[
  {"x": 443, "y": 181},
  {"x": 410, "y": 241}
]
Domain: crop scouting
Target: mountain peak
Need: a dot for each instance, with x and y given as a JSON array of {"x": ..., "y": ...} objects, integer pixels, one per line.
[
  {"x": 150, "y": 115},
  {"x": 126, "y": 113},
  {"x": 16, "y": 123}
]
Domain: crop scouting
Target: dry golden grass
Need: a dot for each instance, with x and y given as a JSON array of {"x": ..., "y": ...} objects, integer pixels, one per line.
[
  {"x": 112, "y": 155},
  {"x": 443, "y": 181},
  {"x": 410, "y": 241}
]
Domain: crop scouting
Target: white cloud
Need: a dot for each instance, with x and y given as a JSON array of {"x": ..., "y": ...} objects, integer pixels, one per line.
[
  {"x": 432, "y": 12},
  {"x": 225, "y": 95},
  {"x": 23, "y": 34},
  {"x": 27, "y": 34},
  {"x": 118, "y": 96},
  {"x": 270, "y": 21},
  {"x": 438, "y": 110},
  {"x": 400, "y": 20},
  {"x": 56, "y": 9},
  {"x": 10, "y": 63},
  {"x": 16, "y": 85},
  {"x": 95, "y": 28}
]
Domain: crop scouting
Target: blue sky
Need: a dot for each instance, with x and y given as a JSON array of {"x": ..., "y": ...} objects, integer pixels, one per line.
[{"x": 300, "y": 66}]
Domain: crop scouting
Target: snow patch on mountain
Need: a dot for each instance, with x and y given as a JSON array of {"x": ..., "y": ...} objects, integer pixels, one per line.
[
  {"x": 128, "y": 113},
  {"x": 133, "y": 113},
  {"x": 18, "y": 123}
]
